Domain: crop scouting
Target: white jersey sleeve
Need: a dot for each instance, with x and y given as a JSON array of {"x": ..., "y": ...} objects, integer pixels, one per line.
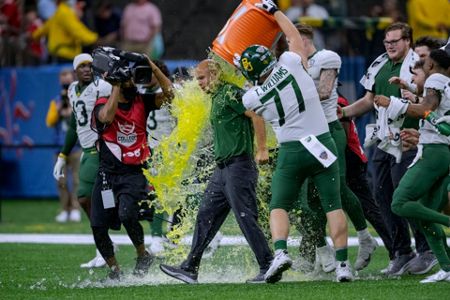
[
  {"x": 428, "y": 133},
  {"x": 288, "y": 100},
  {"x": 83, "y": 104},
  {"x": 326, "y": 60}
]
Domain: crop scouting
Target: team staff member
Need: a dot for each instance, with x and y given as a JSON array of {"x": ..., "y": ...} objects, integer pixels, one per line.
[
  {"x": 82, "y": 96},
  {"x": 396, "y": 61},
  {"x": 121, "y": 122},
  {"x": 233, "y": 183},
  {"x": 285, "y": 95}
]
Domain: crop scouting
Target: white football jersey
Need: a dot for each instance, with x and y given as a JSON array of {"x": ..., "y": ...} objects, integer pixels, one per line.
[
  {"x": 288, "y": 99},
  {"x": 83, "y": 105},
  {"x": 428, "y": 133},
  {"x": 323, "y": 60},
  {"x": 160, "y": 124}
]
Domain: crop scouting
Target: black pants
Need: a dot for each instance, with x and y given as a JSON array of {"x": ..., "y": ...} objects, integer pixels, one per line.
[
  {"x": 232, "y": 186},
  {"x": 128, "y": 190},
  {"x": 387, "y": 175},
  {"x": 357, "y": 181}
]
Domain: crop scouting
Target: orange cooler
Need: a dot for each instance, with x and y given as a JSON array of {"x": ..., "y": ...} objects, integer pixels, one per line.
[{"x": 247, "y": 25}]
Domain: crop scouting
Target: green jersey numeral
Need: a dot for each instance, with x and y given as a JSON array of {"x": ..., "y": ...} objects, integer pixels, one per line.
[{"x": 274, "y": 93}]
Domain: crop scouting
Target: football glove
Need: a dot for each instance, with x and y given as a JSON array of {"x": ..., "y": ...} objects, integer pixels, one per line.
[
  {"x": 267, "y": 5},
  {"x": 58, "y": 169}
]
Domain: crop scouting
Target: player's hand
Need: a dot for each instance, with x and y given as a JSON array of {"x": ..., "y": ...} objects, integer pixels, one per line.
[
  {"x": 340, "y": 112},
  {"x": 237, "y": 61},
  {"x": 409, "y": 96},
  {"x": 267, "y": 5},
  {"x": 398, "y": 81},
  {"x": 410, "y": 138},
  {"x": 58, "y": 169},
  {"x": 262, "y": 156},
  {"x": 382, "y": 101},
  {"x": 444, "y": 119}
]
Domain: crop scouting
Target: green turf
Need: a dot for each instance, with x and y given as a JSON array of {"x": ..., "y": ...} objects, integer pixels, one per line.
[
  {"x": 39, "y": 271},
  {"x": 52, "y": 272}
]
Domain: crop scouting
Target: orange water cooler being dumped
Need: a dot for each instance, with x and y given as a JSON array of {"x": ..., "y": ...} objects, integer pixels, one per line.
[{"x": 247, "y": 25}]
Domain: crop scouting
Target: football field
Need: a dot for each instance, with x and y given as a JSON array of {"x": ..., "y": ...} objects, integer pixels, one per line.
[{"x": 51, "y": 271}]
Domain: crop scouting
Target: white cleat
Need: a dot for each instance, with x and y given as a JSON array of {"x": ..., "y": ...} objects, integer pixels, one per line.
[
  {"x": 213, "y": 245},
  {"x": 280, "y": 263},
  {"x": 75, "y": 215},
  {"x": 98, "y": 261},
  {"x": 62, "y": 217},
  {"x": 326, "y": 257},
  {"x": 365, "y": 251},
  {"x": 343, "y": 271},
  {"x": 439, "y": 276},
  {"x": 388, "y": 268},
  {"x": 157, "y": 246}
]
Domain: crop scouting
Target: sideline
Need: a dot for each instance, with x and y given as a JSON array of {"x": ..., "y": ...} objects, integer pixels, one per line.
[{"x": 122, "y": 239}]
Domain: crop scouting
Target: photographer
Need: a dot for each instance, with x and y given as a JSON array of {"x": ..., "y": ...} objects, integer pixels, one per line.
[{"x": 121, "y": 124}]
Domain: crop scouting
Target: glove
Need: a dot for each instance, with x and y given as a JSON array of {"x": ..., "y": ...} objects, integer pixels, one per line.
[
  {"x": 268, "y": 6},
  {"x": 58, "y": 170},
  {"x": 443, "y": 119},
  {"x": 237, "y": 61}
]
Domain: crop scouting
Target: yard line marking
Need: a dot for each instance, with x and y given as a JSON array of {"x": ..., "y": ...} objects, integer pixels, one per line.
[{"x": 122, "y": 239}]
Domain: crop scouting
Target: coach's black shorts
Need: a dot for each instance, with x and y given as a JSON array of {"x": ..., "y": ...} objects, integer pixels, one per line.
[{"x": 128, "y": 190}]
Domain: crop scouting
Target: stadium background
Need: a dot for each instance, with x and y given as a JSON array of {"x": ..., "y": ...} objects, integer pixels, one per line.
[{"x": 26, "y": 144}]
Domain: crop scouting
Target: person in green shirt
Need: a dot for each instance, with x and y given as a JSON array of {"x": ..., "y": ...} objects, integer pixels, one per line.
[
  {"x": 233, "y": 183},
  {"x": 387, "y": 172}
]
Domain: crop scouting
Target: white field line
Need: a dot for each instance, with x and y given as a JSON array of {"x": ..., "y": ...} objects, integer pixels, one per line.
[{"x": 122, "y": 239}]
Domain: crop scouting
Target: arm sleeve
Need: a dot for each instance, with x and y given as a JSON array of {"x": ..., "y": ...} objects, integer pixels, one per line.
[{"x": 71, "y": 136}]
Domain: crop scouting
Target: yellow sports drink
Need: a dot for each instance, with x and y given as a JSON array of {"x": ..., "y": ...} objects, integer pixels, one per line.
[{"x": 248, "y": 25}]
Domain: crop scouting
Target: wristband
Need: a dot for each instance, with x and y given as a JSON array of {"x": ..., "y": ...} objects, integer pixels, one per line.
[
  {"x": 62, "y": 155},
  {"x": 343, "y": 113}
]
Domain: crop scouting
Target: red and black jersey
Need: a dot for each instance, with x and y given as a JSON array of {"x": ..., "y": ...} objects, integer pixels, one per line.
[
  {"x": 123, "y": 144},
  {"x": 352, "y": 138}
]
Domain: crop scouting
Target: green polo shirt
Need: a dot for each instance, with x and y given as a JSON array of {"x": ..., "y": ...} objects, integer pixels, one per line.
[
  {"x": 383, "y": 87},
  {"x": 233, "y": 131}
]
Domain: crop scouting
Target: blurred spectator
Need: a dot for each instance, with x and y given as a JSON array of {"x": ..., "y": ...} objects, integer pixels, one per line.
[
  {"x": 10, "y": 22},
  {"x": 141, "y": 22},
  {"x": 429, "y": 18},
  {"x": 46, "y": 9},
  {"x": 107, "y": 23},
  {"x": 34, "y": 49},
  {"x": 65, "y": 33},
  {"x": 180, "y": 74},
  {"x": 388, "y": 8},
  {"x": 425, "y": 44},
  {"x": 58, "y": 117},
  {"x": 307, "y": 8}
]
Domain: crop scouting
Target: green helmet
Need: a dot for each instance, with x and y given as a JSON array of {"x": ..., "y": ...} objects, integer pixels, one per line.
[{"x": 256, "y": 61}]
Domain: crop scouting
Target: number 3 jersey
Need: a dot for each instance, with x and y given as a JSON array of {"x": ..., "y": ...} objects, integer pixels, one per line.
[
  {"x": 83, "y": 104},
  {"x": 288, "y": 99}
]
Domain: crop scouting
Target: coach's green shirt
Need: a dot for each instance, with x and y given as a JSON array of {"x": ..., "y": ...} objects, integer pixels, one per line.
[
  {"x": 233, "y": 131},
  {"x": 383, "y": 87}
]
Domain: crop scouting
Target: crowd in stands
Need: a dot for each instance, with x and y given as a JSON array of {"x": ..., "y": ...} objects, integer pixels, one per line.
[{"x": 37, "y": 32}]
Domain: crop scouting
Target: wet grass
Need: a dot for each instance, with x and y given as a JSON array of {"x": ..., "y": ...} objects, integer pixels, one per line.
[{"x": 29, "y": 271}]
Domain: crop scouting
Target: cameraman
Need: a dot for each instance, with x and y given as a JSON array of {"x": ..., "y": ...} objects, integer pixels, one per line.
[{"x": 121, "y": 122}]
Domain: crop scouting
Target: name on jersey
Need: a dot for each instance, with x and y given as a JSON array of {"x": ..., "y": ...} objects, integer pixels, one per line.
[{"x": 274, "y": 79}]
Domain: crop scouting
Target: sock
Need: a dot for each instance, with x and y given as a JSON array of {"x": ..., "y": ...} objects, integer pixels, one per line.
[
  {"x": 341, "y": 254},
  {"x": 363, "y": 234},
  {"x": 280, "y": 245}
]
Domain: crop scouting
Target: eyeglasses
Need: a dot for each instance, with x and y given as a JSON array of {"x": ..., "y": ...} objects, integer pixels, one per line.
[{"x": 393, "y": 42}]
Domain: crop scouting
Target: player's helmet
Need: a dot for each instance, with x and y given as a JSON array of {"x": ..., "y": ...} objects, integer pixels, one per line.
[{"x": 256, "y": 61}]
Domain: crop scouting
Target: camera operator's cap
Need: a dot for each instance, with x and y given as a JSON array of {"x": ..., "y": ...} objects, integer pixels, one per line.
[{"x": 81, "y": 58}]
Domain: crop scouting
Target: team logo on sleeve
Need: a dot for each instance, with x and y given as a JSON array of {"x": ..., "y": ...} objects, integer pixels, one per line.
[
  {"x": 323, "y": 155},
  {"x": 126, "y": 135}
]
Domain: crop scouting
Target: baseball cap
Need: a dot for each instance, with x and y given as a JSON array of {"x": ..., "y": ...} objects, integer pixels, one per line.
[{"x": 81, "y": 58}]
